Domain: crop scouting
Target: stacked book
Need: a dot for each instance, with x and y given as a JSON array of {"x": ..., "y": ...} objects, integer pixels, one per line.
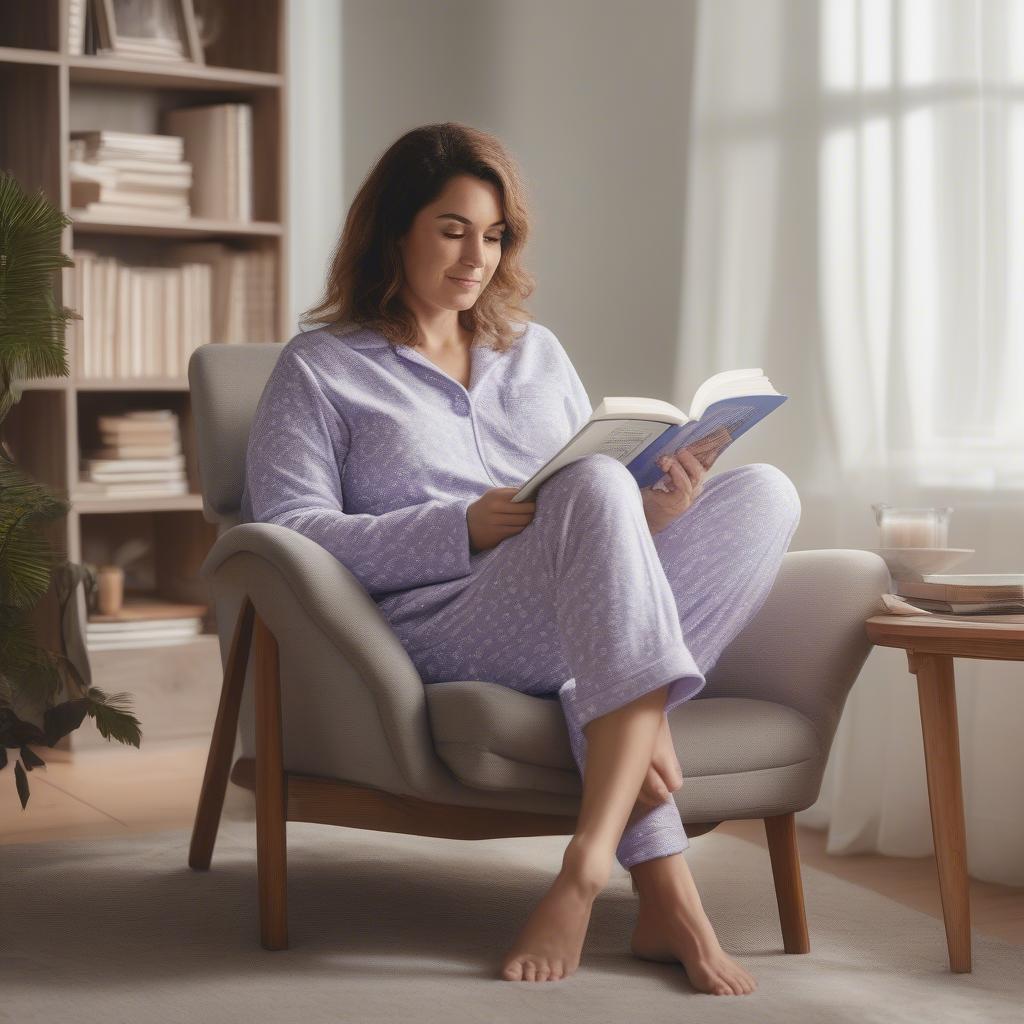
[
  {"x": 129, "y": 174},
  {"x": 141, "y": 457},
  {"x": 218, "y": 144},
  {"x": 144, "y": 622},
  {"x": 964, "y": 594}
]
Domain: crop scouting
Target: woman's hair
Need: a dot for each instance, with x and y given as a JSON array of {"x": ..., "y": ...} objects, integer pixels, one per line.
[{"x": 366, "y": 273}]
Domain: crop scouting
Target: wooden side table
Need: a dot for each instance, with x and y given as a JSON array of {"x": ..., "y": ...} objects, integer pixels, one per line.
[{"x": 931, "y": 643}]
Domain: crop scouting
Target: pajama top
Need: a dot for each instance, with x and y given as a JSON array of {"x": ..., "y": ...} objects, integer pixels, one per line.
[{"x": 374, "y": 452}]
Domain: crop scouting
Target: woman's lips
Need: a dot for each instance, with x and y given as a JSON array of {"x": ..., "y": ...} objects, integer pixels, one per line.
[{"x": 464, "y": 282}]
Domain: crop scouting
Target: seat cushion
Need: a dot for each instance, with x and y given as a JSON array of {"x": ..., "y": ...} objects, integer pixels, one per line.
[{"x": 493, "y": 737}]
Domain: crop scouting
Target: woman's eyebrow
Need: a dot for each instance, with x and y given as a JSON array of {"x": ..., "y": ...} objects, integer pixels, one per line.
[{"x": 455, "y": 216}]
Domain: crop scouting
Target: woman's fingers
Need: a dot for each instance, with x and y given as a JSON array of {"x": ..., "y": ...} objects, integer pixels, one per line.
[
  {"x": 692, "y": 464},
  {"x": 679, "y": 476}
]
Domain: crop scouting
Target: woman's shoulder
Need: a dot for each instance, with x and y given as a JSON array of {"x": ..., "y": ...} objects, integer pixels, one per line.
[
  {"x": 540, "y": 344},
  {"x": 327, "y": 346}
]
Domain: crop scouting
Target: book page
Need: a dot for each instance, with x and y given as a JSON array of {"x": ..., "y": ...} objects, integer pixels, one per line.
[{"x": 620, "y": 439}]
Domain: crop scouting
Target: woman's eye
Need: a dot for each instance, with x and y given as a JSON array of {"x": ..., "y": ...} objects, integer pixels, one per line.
[{"x": 446, "y": 235}]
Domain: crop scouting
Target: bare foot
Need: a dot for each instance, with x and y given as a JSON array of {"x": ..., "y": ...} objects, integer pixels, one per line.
[
  {"x": 677, "y": 930},
  {"x": 673, "y": 928},
  {"x": 549, "y": 944}
]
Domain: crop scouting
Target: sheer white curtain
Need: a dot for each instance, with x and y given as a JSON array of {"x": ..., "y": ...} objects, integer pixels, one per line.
[{"x": 855, "y": 226}]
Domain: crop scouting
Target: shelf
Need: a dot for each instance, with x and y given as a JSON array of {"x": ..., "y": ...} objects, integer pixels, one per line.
[
  {"x": 44, "y": 384},
  {"x": 196, "y": 227},
  {"x": 132, "y": 384},
  {"x": 45, "y": 94},
  {"x": 86, "y": 504},
  {"x": 16, "y": 55},
  {"x": 122, "y": 71}
]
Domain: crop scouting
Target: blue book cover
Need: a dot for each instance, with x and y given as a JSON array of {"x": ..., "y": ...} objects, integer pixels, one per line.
[{"x": 706, "y": 438}]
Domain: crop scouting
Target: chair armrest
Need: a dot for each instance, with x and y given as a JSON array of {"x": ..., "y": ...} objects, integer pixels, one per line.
[
  {"x": 807, "y": 643},
  {"x": 336, "y": 651}
]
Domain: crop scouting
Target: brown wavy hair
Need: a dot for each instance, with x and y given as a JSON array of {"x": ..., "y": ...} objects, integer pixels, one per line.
[{"x": 366, "y": 266}]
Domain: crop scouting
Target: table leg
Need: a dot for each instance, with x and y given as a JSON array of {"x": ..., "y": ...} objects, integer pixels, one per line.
[{"x": 937, "y": 697}]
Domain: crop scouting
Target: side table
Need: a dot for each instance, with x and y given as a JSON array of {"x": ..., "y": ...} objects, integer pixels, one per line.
[{"x": 931, "y": 643}]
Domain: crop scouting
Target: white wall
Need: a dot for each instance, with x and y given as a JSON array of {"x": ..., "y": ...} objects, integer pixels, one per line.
[
  {"x": 592, "y": 99},
  {"x": 316, "y": 202}
]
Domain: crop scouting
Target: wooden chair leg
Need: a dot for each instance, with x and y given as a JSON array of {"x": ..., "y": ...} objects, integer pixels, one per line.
[
  {"x": 789, "y": 889},
  {"x": 271, "y": 852},
  {"x": 222, "y": 744}
]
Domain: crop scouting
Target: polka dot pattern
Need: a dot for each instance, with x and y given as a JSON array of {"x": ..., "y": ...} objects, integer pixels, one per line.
[{"x": 376, "y": 454}]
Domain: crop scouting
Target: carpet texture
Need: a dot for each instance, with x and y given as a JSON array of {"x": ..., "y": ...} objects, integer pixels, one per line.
[{"x": 395, "y": 928}]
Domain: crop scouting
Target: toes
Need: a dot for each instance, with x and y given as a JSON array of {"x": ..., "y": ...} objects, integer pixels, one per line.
[
  {"x": 513, "y": 971},
  {"x": 543, "y": 971},
  {"x": 530, "y": 971},
  {"x": 557, "y": 970}
]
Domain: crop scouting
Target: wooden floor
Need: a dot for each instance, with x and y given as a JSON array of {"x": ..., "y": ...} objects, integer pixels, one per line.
[{"x": 124, "y": 789}]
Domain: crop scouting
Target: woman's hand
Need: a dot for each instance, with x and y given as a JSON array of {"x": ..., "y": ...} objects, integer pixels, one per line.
[
  {"x": 662, "y": 506},
  {"x": 494, "y": 516},
  {"x": 664, "y": 776}
]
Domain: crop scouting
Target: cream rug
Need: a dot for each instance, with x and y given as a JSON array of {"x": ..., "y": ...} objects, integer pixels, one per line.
[{"x": 395, "y": 928}]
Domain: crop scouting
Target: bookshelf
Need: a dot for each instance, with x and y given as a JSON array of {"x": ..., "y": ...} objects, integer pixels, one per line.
[{"x": 46, "y": 92}]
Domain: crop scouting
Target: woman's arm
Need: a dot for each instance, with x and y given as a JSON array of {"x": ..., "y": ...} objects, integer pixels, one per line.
[{"x": 296, "y": 450}]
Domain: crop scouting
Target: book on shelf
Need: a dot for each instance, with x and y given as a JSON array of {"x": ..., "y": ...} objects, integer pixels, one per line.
[
  {"x": 964, "y": 593},
  {"x": 91, "y": 489},
  {"x": 637, "y": 431},
  {"x": 127, "y": 476},
  {"x": 146, "y": 320},
  {"x": 175, "y": 627},
  {"x": 100, "y": 143},
  {"x": 138, "y": 643},
  {"x": 145, "y": 622},
  {"x": 77, "y": 14},
  {"x": 136, "y": 451},
  {"x": 218, "y": 144},
  {"x": 134, "y": 464},
  {"x": 142, "y": 421},
  {"x": 243, "y": 295},
  {"x": 128, "y": 174}
]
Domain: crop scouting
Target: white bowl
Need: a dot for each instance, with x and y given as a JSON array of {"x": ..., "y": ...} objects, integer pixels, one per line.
[{"x": 915, "y": 562}]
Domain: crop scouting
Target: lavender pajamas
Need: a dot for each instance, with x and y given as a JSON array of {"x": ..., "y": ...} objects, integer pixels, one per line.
[{"x": 376, "y": 453}]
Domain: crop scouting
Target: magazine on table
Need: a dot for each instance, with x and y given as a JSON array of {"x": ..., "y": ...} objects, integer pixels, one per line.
[{"x": 638, "y": 431}]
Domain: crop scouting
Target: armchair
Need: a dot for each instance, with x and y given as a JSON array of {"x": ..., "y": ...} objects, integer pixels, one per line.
[{"x": 336, "y": 727}]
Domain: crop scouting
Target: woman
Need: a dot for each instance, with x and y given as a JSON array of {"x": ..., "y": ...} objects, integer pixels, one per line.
[{"x": 395, "y": 436}]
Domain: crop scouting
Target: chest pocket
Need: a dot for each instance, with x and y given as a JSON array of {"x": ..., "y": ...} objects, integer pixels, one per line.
[{"x": 536, "y": 418}]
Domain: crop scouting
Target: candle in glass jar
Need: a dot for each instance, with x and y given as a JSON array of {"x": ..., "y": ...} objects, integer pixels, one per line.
[{"x": 909, "y": 531}]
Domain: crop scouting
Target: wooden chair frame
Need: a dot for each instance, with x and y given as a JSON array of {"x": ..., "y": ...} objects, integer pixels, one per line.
[{"x": 284, "y": 796}]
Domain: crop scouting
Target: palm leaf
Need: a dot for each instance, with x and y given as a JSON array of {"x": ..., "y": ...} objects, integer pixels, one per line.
[
  {"x": 26, "y": 558},
  {"x": 112, "y": 716},
  {"x": 32, "y": 325}
]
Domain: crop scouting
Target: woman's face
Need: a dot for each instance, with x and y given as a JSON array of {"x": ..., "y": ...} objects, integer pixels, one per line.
[{"x": 456, "y": 236}]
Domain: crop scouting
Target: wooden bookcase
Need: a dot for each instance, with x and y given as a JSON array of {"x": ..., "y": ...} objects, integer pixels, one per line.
[{"x": 45, "y": 92}]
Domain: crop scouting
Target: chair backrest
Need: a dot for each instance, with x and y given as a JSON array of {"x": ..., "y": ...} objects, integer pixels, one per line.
[{"x": 226, "y": 382}]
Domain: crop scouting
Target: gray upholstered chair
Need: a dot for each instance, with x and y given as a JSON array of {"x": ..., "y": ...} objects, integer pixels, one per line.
[{"x": 337, "y": 727}]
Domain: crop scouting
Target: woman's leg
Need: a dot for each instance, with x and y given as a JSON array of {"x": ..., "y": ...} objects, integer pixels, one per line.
[
  {"x": 580, "y": 592},
  {"x": 721, "y": 558},
  {"x": 582, "y": 586},
  {"x": 757, "y": 509}
]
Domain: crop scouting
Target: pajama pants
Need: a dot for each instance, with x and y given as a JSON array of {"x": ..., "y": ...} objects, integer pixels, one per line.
[{"x": 585, "y": 603}]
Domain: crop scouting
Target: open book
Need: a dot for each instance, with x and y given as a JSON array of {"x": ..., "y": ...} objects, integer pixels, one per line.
[{"x": 637, "y": 431}]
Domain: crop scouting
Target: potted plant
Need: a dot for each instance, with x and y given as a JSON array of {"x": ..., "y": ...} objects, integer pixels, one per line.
[{"x": 44, "y": 694}]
